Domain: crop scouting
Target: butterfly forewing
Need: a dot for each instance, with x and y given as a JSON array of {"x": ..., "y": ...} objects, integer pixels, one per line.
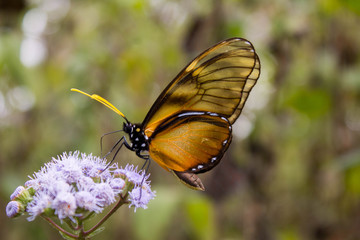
[
  {"x": 218, "y": 80},
  {"x": 250, "y": 82},
  {"x": 193, "y": 142}
]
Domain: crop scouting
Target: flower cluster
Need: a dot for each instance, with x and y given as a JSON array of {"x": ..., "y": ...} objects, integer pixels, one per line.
[{"x": 74, "y": 185}]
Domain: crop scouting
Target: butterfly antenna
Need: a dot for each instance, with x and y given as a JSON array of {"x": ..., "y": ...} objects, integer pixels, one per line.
[{"x": 101, "y": 100}]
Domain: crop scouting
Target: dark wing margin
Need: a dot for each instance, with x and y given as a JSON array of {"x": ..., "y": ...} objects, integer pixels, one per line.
[{"x": 218, "y": 80}]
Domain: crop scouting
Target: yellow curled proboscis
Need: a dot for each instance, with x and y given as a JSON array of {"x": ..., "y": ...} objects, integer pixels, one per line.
[{"x": 100, "y": 100}]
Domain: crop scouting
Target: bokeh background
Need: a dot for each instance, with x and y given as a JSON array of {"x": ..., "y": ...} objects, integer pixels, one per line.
[{"x": 293, "y": 169}]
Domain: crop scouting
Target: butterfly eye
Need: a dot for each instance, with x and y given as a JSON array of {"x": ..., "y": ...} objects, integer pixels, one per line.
[{"x": 127, "y": 128}]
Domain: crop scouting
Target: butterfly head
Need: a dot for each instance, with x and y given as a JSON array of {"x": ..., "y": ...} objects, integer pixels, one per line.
[
  {"x": 140, "y": 142},
  {"x": 128, "y": 127},
  {"x": 137, "y": 136}
]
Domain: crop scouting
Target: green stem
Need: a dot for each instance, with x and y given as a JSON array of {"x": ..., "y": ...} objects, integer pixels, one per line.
[
  {"x": 119, "y": 204},
  {"x": 82, "y": 233},
  {"x": 70, "y": 224},
  {"x": 52, "y": 223}
]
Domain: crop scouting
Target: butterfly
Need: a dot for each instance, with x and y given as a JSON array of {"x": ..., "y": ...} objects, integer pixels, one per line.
[{"x": 189, "y": 127}]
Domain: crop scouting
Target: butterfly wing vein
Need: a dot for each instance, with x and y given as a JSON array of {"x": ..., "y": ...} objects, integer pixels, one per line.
[
  {"x": 191, "y": 142},
  {"x": 218, "y": 80}
]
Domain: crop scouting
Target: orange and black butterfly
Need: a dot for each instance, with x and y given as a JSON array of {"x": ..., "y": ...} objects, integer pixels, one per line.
[{"x": 188, "y": 128}]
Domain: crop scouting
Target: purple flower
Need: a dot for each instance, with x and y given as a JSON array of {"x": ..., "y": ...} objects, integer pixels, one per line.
[
  {"x": 75, "y": 181},
  {"x": 17, "y": 193},
  {"x": 132, "y": 174},
  {"x": 68, "y": 167},
  {"x": 117, "y": 184},
  {"x": 95, "y": 167},
  {"x": 64, "y": 205},
  {"x": 40, "y": 203},
  {"x": 104, "y": 194},
  {"x": 140, "y": 196},
  {"x": 87, "y": 201},
  {"x": 14, "y": 209}
]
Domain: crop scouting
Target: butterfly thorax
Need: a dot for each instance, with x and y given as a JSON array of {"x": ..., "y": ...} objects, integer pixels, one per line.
[{"x": 138, "y": 139}]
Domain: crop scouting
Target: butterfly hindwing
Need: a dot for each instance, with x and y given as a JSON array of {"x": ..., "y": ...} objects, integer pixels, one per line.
[{"x": 190, "y": 142}]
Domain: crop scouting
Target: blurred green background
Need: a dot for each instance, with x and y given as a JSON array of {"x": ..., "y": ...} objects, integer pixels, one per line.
[{"x": 293, "y": 169}]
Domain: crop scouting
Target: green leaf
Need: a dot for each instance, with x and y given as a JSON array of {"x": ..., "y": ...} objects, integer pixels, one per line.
[{"x": 97, "y": 231}]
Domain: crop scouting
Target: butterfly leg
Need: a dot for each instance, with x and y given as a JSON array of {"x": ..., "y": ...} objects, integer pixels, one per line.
[
  {"x": 145, "y": 166},
  {"x": 143, "y": 156},
  {"x": 122, "y": 141},
  {"x": 112, "y": 149},
  {"x": 101, "y": 142}
]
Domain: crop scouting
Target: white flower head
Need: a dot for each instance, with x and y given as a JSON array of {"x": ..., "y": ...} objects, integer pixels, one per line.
[
  {"x": 74, "y": 183},
  {"x": 140, "y": 196},
  {"x": 40, "y": 203},
  {"x": 87, "y": 201},
  {"x": 64, "y": 205},
  {"x": 14, "y": 209},
  {"x": 131, "y": 172}
]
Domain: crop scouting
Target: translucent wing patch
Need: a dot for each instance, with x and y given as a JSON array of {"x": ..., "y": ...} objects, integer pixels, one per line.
[
  {"x": 218, "y": 80},
  {"x": 192, "y": 142}
]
